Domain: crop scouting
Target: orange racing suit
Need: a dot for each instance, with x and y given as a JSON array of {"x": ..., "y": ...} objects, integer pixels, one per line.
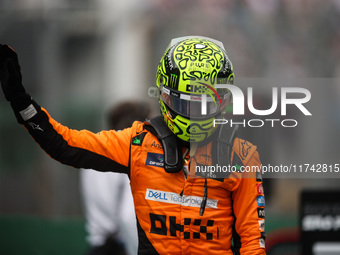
[{"x": 168, "y": 204}]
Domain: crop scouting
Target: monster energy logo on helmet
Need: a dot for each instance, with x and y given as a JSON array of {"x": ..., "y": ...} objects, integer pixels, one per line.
[{"x": 173, "y": 79}]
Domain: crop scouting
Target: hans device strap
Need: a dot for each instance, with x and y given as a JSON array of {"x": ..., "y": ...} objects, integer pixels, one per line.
[
  {"x": 224, "y": 145},
  {"x": 173, "y": 161}
]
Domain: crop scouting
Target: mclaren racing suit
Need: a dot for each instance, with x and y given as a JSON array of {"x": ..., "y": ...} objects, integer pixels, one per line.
[{"x": 168, "y": 204}]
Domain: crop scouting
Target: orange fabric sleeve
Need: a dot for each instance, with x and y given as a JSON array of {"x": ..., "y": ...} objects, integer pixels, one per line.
[
  {"x": 248, "y": 207},
  {"x": 103, "y": 151}
]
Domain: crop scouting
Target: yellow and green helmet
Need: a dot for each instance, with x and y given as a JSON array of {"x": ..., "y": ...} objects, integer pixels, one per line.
[{"x": 186, "y": 78}]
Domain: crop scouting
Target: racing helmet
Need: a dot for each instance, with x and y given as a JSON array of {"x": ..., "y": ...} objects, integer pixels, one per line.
[{"x": 187, "y": 75}]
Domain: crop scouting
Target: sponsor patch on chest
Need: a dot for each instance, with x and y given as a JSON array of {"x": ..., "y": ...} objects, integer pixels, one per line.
[
  {"x": 174, "y": 198},
  {"x": 154, "y": 159}
]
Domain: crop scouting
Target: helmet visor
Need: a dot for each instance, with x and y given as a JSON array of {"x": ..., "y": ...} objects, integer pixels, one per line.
[{"x": 197, "y": 106}]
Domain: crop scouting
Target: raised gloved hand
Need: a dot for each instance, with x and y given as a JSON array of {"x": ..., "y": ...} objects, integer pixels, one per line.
[
  {"x": 10, "y": 75},
  {"x": 11, "y": 83}
]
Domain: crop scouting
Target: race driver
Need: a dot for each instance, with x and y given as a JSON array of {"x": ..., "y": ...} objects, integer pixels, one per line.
[{"x": 181, "y": 206}]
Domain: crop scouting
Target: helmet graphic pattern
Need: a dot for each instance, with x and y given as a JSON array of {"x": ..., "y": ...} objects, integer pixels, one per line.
[
  {"x": 192, "y": 66},
  {"x": 194, "y": 60}
]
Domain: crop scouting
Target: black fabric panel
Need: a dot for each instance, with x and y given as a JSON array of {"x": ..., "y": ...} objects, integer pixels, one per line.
[
  {"x": 144, "y": 245},
  {"x": 236, "y": 247},
  {"x": 54, "y": 144}
]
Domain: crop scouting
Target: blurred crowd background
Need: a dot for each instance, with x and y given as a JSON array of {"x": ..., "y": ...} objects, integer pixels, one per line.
[{"x": 80, "y": 57}]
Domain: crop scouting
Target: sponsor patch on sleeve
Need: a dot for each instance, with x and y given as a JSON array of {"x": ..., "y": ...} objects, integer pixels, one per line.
[
  {"x": 261, "y": 213},
  {"x": 262, "y": 244},
  {"x": 259, "y": 189},
  {"x": 261, "y": 225},
  {"x": 260, "y": 201}
]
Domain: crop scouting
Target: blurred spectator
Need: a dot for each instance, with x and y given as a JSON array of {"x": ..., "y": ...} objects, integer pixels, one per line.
[{"x": 108, "y": 202}]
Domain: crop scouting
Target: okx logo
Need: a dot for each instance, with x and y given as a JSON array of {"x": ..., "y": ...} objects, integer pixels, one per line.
[{"x": 191, "y": 229}]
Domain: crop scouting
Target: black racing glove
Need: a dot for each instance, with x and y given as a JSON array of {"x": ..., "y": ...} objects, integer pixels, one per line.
[
  {"x": 10, "y": 75},
  {"x": 11, "y": 83}
]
